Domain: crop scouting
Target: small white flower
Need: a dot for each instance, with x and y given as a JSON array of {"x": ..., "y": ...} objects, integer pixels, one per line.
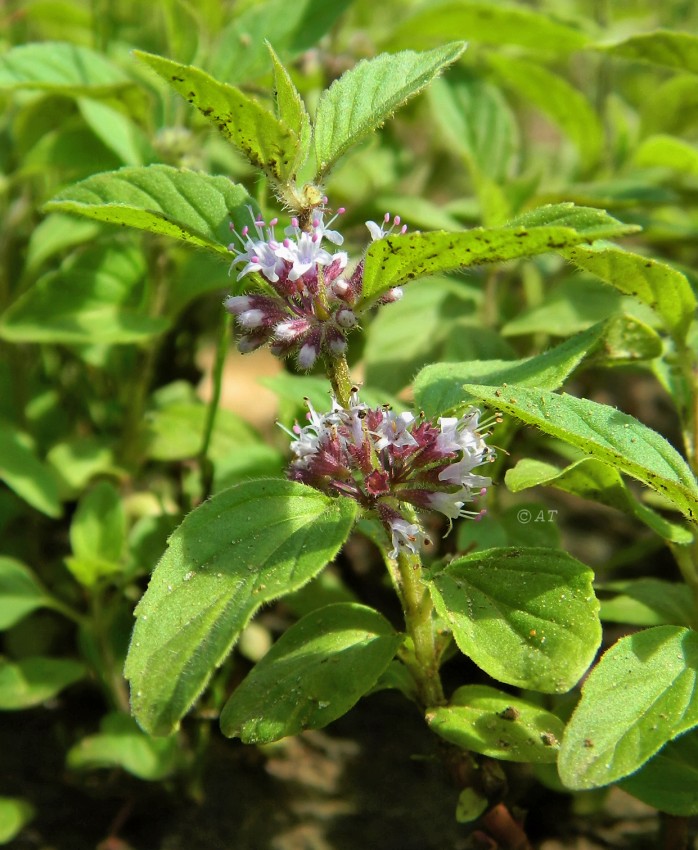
[
  {"x": 393, "y": 430},
  {"x": 405, "y": 536}
]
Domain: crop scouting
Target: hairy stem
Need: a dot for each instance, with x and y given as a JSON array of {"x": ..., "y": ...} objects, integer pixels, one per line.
[
  {"x": 340, "y": 379},
  {"x": 419, "y": 623}
]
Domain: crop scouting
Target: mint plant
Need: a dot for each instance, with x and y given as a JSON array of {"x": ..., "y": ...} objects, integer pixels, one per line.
[{"x": 409, "y": 449}]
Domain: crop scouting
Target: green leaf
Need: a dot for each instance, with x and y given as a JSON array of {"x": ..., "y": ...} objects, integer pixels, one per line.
[
  {"x": 20, "y": 592},
  {"x": 656, "y": 284},
  {"x": 662, "y": 151},
  {"x": 564, "y": 105},
  {"x": 647, "y": 602},
  {"x": 438, "y": 388},
  {"x": 673, "y": 107},
  {"x": 527, "y": 617},
  {"x": 244, "y": 547},
  {"x": 120, "y": 743},
  {"x": 374, "y": 89},
  {"x": 34, "y": 680},
  {"x": 639, "y": 696},
  {"x": 605, "y": 433},
  {"x": 80, "y": 459},
  {"x": 176, "y": 432},
  {"x": 476, "y": 121},
  {"x": 671, "y": 49},
  {"x": 185, "y": 205},
  {"x": 97, "y": 534},
  {"x": 314, "y": 673},
  {"x": 395, "y": 260},
  {"x": 264, "y": 140},
  {"x": 57, "y": 233},
  {"x": 292, "y": 28},
  {"x": 415, "y": 330},
  {"x": 118, "y": 132},
  {"x": 24, "y": 473},
  {"x": 521, "y": 525},
  {"x": 669, "y": 780},
  {"x": 291, "y": 110},
  {"x": 488, "y": 23},
  {"x": 593, "y": 479},
  {"x": 92, "y": 299},
  {"x": 487, "y": 721},
  {"x": 15, "y": 813},
  {"x": 56, "y": 66}
]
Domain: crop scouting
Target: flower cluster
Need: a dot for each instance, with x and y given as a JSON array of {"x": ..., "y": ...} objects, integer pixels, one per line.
[
  {"x": 308, "y": 309},
  {"x": 381, "y": 459}
]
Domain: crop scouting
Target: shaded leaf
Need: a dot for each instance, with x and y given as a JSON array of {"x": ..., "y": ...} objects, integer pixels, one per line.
[
  {"x": 20, "y": 592},
  {"x": 15, "y": 813},
  {"x": 662, "y": 47},
  {"x": 24, "y": 473},
  {"x": 647, "y": 602},
  {"x": 500, "y": 23},
  {"x": 34, "y": 680},
  {"x": 120, "y": 743},
  {"x": 662, "y": 151}
]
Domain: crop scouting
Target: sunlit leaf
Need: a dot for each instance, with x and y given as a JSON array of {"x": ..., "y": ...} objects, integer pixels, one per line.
[
  {"x": 373, "y": 89},
  {"x": 605, "y": 433},
  {"x": 314, "y": 673},
  {"x": 499, "y": 725},
  {"x": 638, "y": 697},
  {"x": 527, "y": 617},
  {"x": 244, "y": 547}
]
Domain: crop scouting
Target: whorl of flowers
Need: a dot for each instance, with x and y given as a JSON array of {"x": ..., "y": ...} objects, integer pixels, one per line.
[
  {"x": 309, "y": 310},
  {"x": 382, "y": 459}
]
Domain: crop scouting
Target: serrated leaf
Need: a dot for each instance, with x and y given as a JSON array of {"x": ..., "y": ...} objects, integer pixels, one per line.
[
  {"x": 487, "y": 721},
  {"x": 527, "y": 617},
  {"x": 264, "y": 140},
  {"x": 663, "y": 151},
  {"x": 314, "y": 673},
  {"x": 395, "y": 260},
  {"x": 34, "y": 680},
  {"x": 24, "y": 473},
  {"x": 57, "y": 66},
  {"x": 564, "y": 105},
  {"x": 185, "y": 205},
  {"x": 638, "y": 697},
  {"x": 605, "y": 433},
  {"x": 120, "y": 743},
  {"x": 372, "y": 90},
  {"x": 647, "y": 602},
  {"x": 671, "y": 49},
  {"x": 291, "y": 110},
  {"x": 244, "y": 547},
  {"x": 592, "y": 479},
  {"x": 656, "y": 284},
  {"x": 500, "y": 23},
  {"x": 438, "y": 388},
  {"x": 20, "y": 592},
  {"x": 669, "y": 780},
  {"x": 15, "y": 813}
]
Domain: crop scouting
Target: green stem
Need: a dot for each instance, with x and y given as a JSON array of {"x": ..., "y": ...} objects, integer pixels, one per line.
[
  {"x": 418, "y": 610},
  {"x": 205, "y": 465},
  {"x": 340, "y": 379},
  {"x": 111, "y": 670},
  {"x": 687, "y": 558}
]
